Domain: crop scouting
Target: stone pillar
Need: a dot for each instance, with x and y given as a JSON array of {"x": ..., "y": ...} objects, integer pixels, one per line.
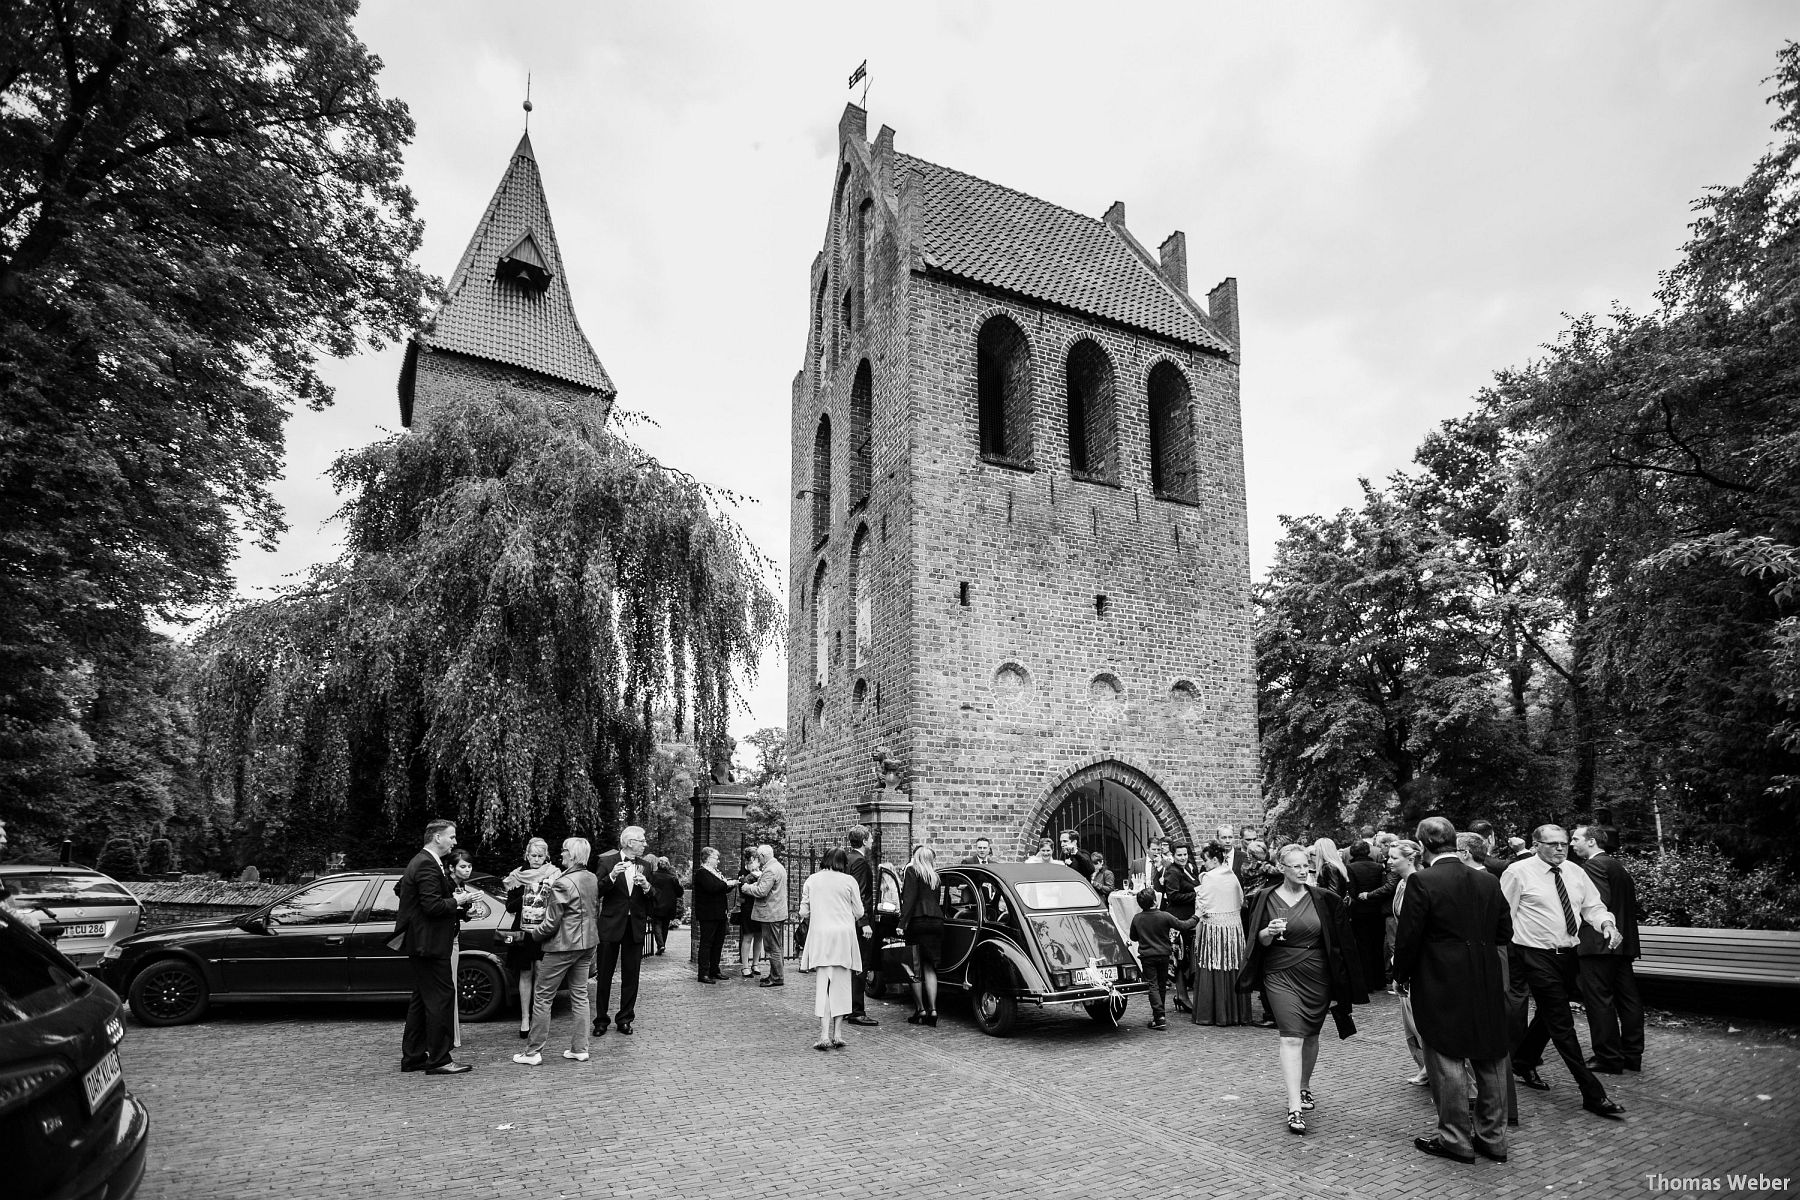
[
  {"x": 719, "y": 822},
  {"x": 888, "y": 814}
]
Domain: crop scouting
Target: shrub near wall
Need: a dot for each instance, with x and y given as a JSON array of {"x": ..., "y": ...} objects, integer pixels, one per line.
[{"x": 1700, "y": 888}]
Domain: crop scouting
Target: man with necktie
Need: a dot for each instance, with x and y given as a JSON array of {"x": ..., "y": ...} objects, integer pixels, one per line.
[
  {"x": 623, "y": 889},
  {"x": 1609, "y": 990},
  {"x": 426, "y": 927},
  {"x": 1550, "y": 900}
]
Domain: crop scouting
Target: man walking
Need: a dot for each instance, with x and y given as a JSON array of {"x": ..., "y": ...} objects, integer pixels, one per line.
[
  {"x": 770, "y": 911},
  {"x": 864, "y": 874},
  {"x": 1454, "y": 924},
  {"x": 1609, "y": 989},
  {"x": 569, "y": 932},
  {"x": 625, "y": 900},
  {"x": 426, "y": 926},
  {"x": 1549, "y": 901}
]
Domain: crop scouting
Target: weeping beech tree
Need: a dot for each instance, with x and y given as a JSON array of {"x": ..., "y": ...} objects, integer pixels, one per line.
[{"x": 519, "y": 590}]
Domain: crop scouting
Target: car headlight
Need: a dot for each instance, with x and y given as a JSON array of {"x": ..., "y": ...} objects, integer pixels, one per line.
[
  {"x": 113, "y": 951},
  {"x": 1060, "y": 979}
]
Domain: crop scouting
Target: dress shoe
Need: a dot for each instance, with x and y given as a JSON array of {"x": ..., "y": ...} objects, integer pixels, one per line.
[
  {"x": 1594, "y": 1065},
  {"x": 598, "y": 1029},
  {"x": 1489, "y": 1154},
  {"x": 1604, "y": 1107},
  {"x": 1157, "y": 1023},
  {"x": 449, "y": 1068},
  {"x": 412, "y": 1066},
  {"x": 1436, "y": 1148},
  {"x": 770, "y": 983},
  {"x": 1634, "y": 1065},
  {"x": 1530, "y": 1078},
  {"x": 625, "y": 1028},
  {"x": 861, "y": 1019},
  {"x": 708, "y": 979}
]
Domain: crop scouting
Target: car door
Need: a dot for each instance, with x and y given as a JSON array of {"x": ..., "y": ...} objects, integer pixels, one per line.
[
  {"x": 305, "y": 949},
  {"x": 375, "y": 969},
  {"x": 961, "y": 902}
]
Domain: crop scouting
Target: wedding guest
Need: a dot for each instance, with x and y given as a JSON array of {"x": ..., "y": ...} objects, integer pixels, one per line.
[
  {"x": 462, "y": 869},
  {"x": 1303, "y": 958},
  {"x": 1219, "y": 942},
  {"x": 1103, "y": 877},
  {"x": 570, "y": 932},
  {"x": 665, "y": 905},
  {"x": 1333, "y": 873},
  {"x": 831, "y": 907},
  {"x": 1154, "y": 930},
  {"x": 747, "y": 945},
  {"x": 712, "y": 894},
  {"x": 526, "y": 889},
  {"x": 1368, "y": 915},
  {"x": 922, "y": 929}
]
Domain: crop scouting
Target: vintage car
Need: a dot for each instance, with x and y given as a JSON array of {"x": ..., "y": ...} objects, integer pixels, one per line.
[
  {"x": 1022, "y": 933},
  {"x": 325, "y": 940}
]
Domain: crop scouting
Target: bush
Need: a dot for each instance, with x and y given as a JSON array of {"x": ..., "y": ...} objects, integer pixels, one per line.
[
  {"x": 119, "y": 859},
  {"x": 159, "y": 857},
  {"x": 1699, "y": 887}
]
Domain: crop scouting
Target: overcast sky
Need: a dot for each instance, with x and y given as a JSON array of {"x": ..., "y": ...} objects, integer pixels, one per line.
[{"x": 1409, "y": 194}]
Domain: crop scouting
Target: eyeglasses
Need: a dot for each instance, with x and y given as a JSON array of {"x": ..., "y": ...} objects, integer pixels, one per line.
[{"x": 1555, "y": 845}]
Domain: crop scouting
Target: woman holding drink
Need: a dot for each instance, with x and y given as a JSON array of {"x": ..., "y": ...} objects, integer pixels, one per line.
[{"x": 526, "y": 890}]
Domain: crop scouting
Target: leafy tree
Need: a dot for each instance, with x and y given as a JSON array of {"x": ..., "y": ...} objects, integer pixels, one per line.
[
  {"x": 520, "y": 591},
  {"x": 770, "y": 743},
  {"x": 119, "y": 858},
  {"x": 195, "y": 201}
]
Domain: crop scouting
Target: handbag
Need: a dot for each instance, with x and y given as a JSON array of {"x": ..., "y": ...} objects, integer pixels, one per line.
[
  {"x": 1346, "y": 1024},
  {"x": 735, "y": 917}
]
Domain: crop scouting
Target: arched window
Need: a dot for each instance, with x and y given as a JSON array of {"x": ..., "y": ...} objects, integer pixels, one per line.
[
  {"x": 862, "y": 403},
  {"x": 863, "y": 247},
  {"x": 862, "y": 596},
  {"x": 821, "y": 626},
  {"x": 1093, "y": 440},
  {"x": 1003, "y": 391},
  {"x": 821, "y": 480},
  {"x": 1174, "y": 468}
]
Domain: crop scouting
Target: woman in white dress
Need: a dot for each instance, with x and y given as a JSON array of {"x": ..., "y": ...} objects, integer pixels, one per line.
[{"x": 831, "y": 904}]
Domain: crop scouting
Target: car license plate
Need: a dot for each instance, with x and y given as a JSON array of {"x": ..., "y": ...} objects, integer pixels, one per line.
[
  {"x": 100, "y": 1081},
  {"x": 95, "y": 930},
  {"x": 1109, "y": 974}
]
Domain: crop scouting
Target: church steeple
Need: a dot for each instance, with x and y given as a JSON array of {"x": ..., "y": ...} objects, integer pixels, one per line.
[{"x": 507, "y": 304}]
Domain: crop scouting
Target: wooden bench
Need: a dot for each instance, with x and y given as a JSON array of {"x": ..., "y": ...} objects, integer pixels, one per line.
[{"x": 1770, "y": 957}]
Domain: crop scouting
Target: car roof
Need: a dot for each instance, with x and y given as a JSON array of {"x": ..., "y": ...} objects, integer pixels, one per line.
[
  {"x": 21, "y": 868},
  {"x": 1019, "y": 872}
]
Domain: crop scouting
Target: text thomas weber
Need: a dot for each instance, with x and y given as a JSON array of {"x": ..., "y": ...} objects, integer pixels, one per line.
[{"x": 1729, "y": 1182}]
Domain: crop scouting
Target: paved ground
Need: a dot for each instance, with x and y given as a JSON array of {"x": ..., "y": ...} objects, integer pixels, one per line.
[{"x": 719, "y": 1093}]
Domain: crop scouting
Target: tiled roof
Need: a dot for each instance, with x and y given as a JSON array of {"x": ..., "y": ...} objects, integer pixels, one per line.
[
  {"x": 993, "y": 235},
  {"x": 487, "y": 317}
]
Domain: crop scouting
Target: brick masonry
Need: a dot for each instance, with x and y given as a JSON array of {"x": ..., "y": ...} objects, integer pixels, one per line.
[
  {"x": 443, "y": 375},
  {"x": 993, "y": 704}
]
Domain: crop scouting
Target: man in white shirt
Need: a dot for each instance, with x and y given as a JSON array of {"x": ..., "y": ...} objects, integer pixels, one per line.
[{"x": 1550, "y": 900}]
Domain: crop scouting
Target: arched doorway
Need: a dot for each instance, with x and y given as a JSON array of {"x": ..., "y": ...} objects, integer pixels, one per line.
[{"x": 1117, "y": 809}]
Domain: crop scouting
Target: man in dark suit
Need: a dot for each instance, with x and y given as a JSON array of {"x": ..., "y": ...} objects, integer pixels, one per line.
[
  {"x": 1454, "y": 925},
  {"x": 1071, "y": 855},
  {"x": 864, "y": 874},
  {"x": 1609, "y": 989},
  {"x": 426, "y": 926},
  {"x": 712, "y": 895},
  {"x": 1495, "y": 864},
  {"x": 625, "y": 903},
  {"x": 984, "y": 853}
]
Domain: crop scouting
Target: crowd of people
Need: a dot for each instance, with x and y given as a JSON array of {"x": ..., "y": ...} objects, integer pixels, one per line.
[{"x": 1468, "y": 940}]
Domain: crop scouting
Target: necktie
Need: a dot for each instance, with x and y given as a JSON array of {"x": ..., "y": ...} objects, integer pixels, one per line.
[{"x": 1562, "y": 895}]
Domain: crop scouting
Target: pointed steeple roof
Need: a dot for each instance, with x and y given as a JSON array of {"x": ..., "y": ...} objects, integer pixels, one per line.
[{"x": 509, "y": 298}]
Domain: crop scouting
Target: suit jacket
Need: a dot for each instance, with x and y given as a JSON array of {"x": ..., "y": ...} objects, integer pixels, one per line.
[
  {"x": 1454, "y": 927},
  {"x": 1365, "y": 876},
  {"x": 770, "y": 893},
  {"x": 623, "y": 910},
  {"x": 712, "y": 895},
  {"x": 429, "y": 915},
  {"x": 864, "y": 874},
  {"x": 1620, "y": 896},
  {"x": 569, "y": 912},
  {"x": 1177, "y": 887},
  {"x": 1080, "y": 862}
]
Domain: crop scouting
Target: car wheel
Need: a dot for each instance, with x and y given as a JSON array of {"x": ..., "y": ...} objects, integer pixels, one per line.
[
  {"x": 480, "y": 991},
  {"x": 996, "y": 1014},
  {"x": 170, "y": 992},
  {"x": 1108, "y": 1012}
]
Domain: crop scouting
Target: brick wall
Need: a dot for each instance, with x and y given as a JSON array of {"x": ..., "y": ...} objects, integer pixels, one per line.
[
  {"x": 445, "y": 373},
  {"x": 993, "y": 703}
]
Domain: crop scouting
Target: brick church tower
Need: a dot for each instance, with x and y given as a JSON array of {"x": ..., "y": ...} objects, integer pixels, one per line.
[
  {"x": 506, "y": 316},
  {"x": 1018, "y": 549}
]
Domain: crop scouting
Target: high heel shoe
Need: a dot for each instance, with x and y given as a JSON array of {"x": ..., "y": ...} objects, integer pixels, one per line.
[
  {"x": 1295, "y": 1122},
  {"x": 917, "y": 1018},
  {"x": 931, "y": 1018}
]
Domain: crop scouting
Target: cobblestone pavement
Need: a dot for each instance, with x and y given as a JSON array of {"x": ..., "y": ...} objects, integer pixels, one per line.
[{"x": 719, "y": 1092}]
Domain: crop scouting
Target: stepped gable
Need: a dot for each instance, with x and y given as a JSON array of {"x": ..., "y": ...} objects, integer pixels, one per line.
[
  {"x": 512, "y": 315},
  {"x": 1005, "y": 239}
]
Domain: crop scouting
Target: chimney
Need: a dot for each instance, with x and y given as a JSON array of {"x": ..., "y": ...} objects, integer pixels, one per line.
[
  {"x": 884, "y": 140},
  {"x": 1222, "y": 304},
  {"x": 1174, "y": 259},
  {"x": 854, "y": 123},
  {"x": 1115, "y": 216}
]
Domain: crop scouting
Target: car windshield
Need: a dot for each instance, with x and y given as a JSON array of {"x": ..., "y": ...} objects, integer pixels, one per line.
[
  {"x": 1044, "y": 895},
  {"x": 55, "y": 887}
]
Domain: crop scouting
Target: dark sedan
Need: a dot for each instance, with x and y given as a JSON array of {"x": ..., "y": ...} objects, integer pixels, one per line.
[
  {"x": 325, "y": 940},
  {"x": 1027, "y": 933},
  {"x": 67, "y": 1125}
]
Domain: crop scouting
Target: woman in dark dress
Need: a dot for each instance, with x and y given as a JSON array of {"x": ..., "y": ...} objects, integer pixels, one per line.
[
  {"x": 922, "y": 929},
  {"x": 747, "y": 873},
  {"x": 1303, "y": 959}
]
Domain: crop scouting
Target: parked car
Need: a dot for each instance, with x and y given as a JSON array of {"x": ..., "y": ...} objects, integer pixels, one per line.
[
  {"x": 1026, "y": 933},
  {"x": 325, "y": 940},
  {"x": 68, "y": 1125},
  {"x": 95, "y": 911}
]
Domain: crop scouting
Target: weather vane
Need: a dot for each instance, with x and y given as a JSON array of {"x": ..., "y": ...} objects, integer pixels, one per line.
[{"x": 528, "y": 102}]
